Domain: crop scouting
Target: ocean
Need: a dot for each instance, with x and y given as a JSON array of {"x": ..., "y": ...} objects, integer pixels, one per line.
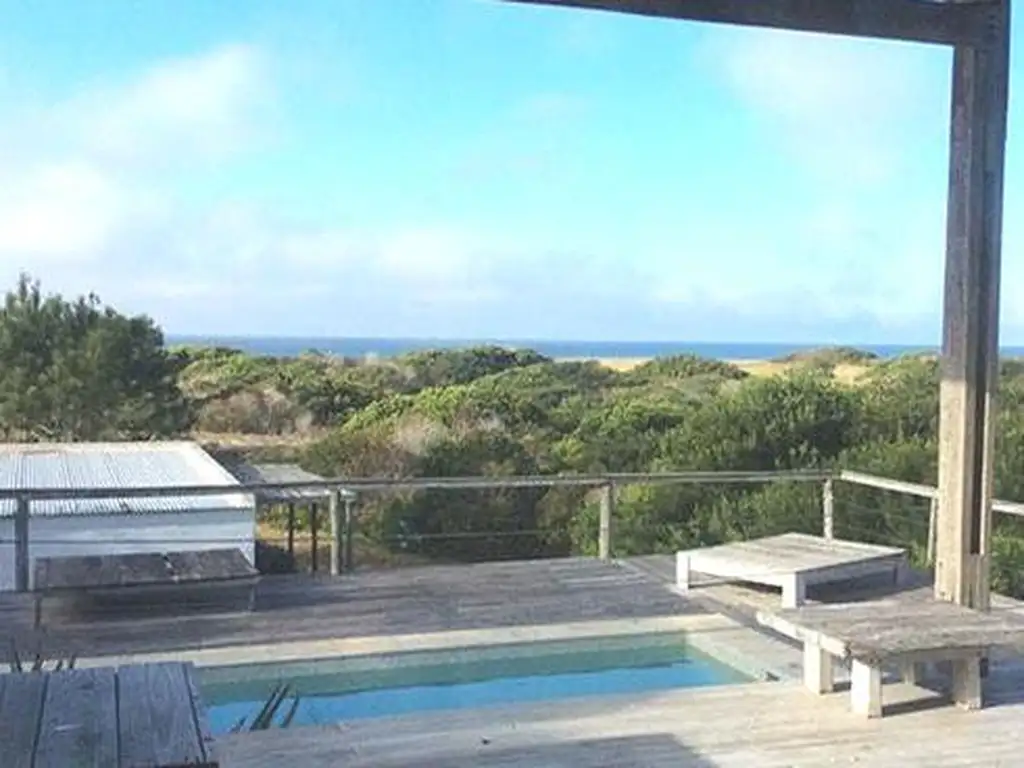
[{"x": 353, "y": 347}]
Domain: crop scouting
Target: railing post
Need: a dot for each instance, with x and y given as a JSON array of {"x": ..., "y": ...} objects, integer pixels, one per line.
[
  {"x": 933, "y": 518},
  {"x": 336, "y": 532},
  {"x": 828, "y": 509},
  {"x": 21, "y": 549},
  {"x": 291, "y": 531},
  {"x": 350, "y": 524},
  {"x": 314, "y": 552},
  {"x": 604, "y": 541}
]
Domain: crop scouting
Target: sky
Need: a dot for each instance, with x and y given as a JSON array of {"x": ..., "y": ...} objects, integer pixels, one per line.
[{"x": 475, "y": 169}]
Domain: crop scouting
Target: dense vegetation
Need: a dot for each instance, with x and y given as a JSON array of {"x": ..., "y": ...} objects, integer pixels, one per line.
[{"x": 79, "y": 371}]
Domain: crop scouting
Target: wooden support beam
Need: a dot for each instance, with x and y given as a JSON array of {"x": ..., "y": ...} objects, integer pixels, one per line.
[
  {"x": 337, "y": 533},
  {"x": 970, "y": 349},
  {"x": 22, "y": 580},
  {"x": 350, "y": 530},
  {"x": 924, "y": 21},
  {"x": 828, "y": 509},
  {"x": 604, "y": 540}
]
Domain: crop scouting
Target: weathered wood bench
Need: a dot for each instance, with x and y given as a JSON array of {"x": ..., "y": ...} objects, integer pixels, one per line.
[
  {"x": 140, "y": 716},
  {"x": 902, "y": 632},
  {"x": 142, "y": 574},
  {"x": 792, "y": 562}
]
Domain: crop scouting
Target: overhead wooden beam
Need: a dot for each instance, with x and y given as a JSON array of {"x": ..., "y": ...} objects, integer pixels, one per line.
[
  {"x": 970, "y": 350},
  {"x": 925, "y": 21}
]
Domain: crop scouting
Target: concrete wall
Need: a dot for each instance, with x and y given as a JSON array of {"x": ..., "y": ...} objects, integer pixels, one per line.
[{"x": 124, "y": 534}]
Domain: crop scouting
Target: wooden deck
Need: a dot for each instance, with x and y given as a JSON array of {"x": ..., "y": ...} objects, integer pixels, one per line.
[
  {"x": 144, "y": 715},
  {"x": 372, "y": 603},
  {"x": 764, "y": 724},
  {"x": 767, "y": 725}
]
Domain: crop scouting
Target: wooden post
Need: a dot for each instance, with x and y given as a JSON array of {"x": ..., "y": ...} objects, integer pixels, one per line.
[
  {"x": 350, "y": 529},
  {"x": 828, "y": 509},
  {"x": 22, "y": 581},
  {"x": 970, "y": 346},
  {"x": 291, "y": 530},
  {"x": 604, "y": 540},
  {"x": 336, "y": 532},
  {"x": 933, "y": 519},
  {"x": 314, "y": 513}
]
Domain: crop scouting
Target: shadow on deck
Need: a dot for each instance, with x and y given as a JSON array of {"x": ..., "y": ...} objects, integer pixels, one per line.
[{"x": 372, "y": 603}]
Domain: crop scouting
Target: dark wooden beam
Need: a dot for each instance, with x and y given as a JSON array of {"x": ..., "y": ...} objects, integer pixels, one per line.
[
  {"x": 925, "y": 21},
  {"x": 970, "y": 349}
]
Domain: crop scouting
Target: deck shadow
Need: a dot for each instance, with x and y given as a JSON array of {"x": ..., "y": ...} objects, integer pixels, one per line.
[{"x": 622, "y": 752}]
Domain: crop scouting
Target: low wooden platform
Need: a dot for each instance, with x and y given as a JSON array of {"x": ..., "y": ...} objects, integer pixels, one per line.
[
  {"x": 792, "y": 562},
  {"x": 141, "y": 716},
  {"x": 905, "y": 632},
  {"x": 98, "y": 576}
]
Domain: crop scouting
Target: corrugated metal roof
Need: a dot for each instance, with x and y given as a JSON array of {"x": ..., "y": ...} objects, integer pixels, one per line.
[{"x": 67, "y": 466}]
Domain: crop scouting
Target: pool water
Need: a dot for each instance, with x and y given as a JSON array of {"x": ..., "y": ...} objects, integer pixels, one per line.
[{"x": 336, "y": 690}]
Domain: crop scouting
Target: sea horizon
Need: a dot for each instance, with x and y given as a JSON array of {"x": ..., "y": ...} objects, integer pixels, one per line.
[{"x": 554, "y": 348}]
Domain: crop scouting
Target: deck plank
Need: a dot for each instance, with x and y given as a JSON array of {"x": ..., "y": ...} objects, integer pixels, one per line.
[
  {"x": 79, "y": 720},
  {"x": 21, "y": 702},
  {"x": 157, "y": 722}
]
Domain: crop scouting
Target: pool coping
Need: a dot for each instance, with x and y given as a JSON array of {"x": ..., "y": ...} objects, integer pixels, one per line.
[{"x": 723, "y": 639}]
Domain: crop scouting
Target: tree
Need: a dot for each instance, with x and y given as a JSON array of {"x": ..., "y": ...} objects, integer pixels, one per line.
[{"x": 74, "y": 371}]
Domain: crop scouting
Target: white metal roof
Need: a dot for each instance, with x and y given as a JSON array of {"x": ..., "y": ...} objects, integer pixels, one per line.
[{"x": 70, "y": 466}]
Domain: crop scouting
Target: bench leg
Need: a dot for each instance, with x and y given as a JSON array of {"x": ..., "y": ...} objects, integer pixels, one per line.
[
  {"x": 794, "y": 592},
  {"x": 967, "y": 683},
  {"x": 38, "y": 611},
  {"x": 682, "y": 572},
  {"x": 865, "y": 689},
  {"x": 819, "y": 675},
  {"x": 911, "y": 672}
]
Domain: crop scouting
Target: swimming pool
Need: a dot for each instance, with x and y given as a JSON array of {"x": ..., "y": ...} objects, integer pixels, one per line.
[{"x": 340, "y": 689}]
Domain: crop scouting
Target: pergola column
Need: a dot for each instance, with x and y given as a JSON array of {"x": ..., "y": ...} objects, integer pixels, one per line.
[{"x": 970, "y": 345}]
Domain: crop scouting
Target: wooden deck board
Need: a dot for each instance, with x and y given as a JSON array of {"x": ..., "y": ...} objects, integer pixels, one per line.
[
  {"x": 768, "y": 725},
  {"x": 21, "y": 702}
]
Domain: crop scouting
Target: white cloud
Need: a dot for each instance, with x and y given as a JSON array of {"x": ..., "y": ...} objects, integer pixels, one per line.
[
  {"x": 845, "y": 106},
  {"x": 189, "y": 109},
  {"x": 82, "y": 178}
]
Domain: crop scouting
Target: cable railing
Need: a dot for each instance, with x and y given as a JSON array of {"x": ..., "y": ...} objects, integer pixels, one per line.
[{"x": 311, "y": 534}]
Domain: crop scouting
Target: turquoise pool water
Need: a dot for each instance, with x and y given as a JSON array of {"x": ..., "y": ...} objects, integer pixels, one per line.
[{"x": 336, "y": 690}]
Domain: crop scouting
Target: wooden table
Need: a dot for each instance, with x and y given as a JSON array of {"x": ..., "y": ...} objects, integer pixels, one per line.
[
  {"x": 138, "y": 716},
  {"x": 905, "y": 632},
  {"x": 793, "y": 562},
  {"x": 108, "y": 574}
]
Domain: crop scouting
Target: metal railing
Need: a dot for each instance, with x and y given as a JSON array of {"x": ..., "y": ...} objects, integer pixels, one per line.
[{"x": 343, "y": 495}]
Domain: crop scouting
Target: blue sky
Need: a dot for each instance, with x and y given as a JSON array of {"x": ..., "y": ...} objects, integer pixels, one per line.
[{"x": 461, "y": 168}]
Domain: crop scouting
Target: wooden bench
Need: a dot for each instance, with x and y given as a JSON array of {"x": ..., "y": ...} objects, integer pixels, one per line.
[
  {"x": 144, "y": 574},
  {"x": 902, "y": 632},
  {"x": 792, "y": 562},
  {"x": 139, "y": 716}
]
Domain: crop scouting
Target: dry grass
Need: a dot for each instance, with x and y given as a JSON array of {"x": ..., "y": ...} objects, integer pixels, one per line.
[{"x": 847, "y": 373}]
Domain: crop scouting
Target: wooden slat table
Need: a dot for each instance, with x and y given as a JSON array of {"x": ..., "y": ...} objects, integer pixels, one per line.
[
  {"x": 902, "y": 631},
  {"x": 138, "y": 716},
  {"x": 793, "y": 562},
  {"x": 106, "y": 574}
]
